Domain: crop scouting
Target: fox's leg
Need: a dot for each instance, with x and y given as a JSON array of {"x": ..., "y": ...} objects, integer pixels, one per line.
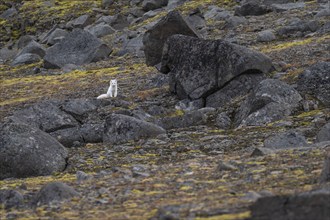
[{"x": 115, "y": 93}]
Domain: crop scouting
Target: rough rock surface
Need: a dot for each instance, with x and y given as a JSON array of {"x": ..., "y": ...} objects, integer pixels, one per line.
[
  {"x": 79, "y": 47},
  {"x": 198, "y": 68},
  {"x": 324, "y": 133},
  {"x": 251, "y": 8},
  {"x": 325, "y": 174},
  {"x": 11, "y": 199},
  {"x": 315, "y": 81},
  {"x": 122, "y": 128},
  {"x": 27, "y": 151},
  {"x": 26, "y": 58},
  {"x": 305, "y": 206},
  {"x": 289, "y": 139},
  {"x": 155, "y": 38},
  {"x": 271, "y": 100},
  {"x": 55, "y": 191}
]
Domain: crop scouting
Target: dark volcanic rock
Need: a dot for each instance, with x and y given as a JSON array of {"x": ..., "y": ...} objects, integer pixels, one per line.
[
  {"x": 46, "y": 116},
  {"x": 148, "y": 5},
  {"x": 251, "y": 8},
  {"x": 27, "y": 151},
  {"x": 101, "y": 30},
  {"x": 55, "y": 36},
  {"x": 325, "y": 175},
  {"x": 26, "y": 58},
  {"x": 79, "y": 47},
  {"x": 80, "y": 22},
  {"x": 315, "y": 81},
  {"x": 223, "y": 121},
  {"x": 324, "y": 133},
  {"x": 289, "y": 139},
  {"x": 155, "y": 37},
  {"x": 271, "y": 100},
  {"x": 79, "y": 108},
  {"x": 33, "y": 48},
  {"x": 198, "y": 68},
  {"x": 68, "y": 137},
  {"x": 306, "y": 206},
  {"x": 55, "y": 191},
  {"x": 92, "y": 133},
  {"x": 11, "y": 198},
  {"x": 302, "y": 26},
  {"x": 236, "y": 88},
  {"x": 122, "y": 128},
  {"x": 192, "y": 118}
]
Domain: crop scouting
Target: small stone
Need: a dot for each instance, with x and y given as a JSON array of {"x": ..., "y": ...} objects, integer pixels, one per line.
[
  {"x": 266, "y": 36},
  {"x": 261, "y": 152},
  {"x": 223, "y": 166}
]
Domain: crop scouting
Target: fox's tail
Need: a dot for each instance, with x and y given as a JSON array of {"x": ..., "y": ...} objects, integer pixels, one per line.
[{"x": 103, "y": 96}]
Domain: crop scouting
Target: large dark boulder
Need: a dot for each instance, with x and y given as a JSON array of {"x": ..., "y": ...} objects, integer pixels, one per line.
[
  {"x": 324, "y": 133},
  {"x": 123, "y": 128},
  {"x": 198, "y": 68},
  {"x": 27, "y": 151},
  {"x": 46, "y": 116},
  {"x": 288, "y": 139},
  {"x": 79, "y": 47},
  {"x": 155, "y": 37},
  {"x": 33, "y": 48},
  {"x": 251, "y": 8},
  {"x": 148, "y": 5},
  {"x": 315, "y": 81},
  {"x": 54, "y": 192},
  {"x": 305, "y": 206},
  {"x": 270, "y": 101},
  {"x": 235, "y": 89}
]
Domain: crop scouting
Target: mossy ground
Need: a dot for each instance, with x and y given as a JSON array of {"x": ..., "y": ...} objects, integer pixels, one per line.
[{"x": 181, "y": 172}]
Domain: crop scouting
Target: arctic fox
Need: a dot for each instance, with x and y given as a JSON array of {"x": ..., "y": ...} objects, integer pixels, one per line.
[{"x": 112, "y": 91}]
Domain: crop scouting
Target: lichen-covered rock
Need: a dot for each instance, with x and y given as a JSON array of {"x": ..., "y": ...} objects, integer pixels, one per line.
[
  {"x": 11, "y": 198},
  {"x": 123, "y": 128},
  {"x": 324, "y": 133},
  {"x": 271, "y": 100},
  {"x": 154, "y": 39},
  {"x": 305, "y": 206},
  {"x": 315, "y": 81},
  {"x": 198, "y": 68},
  {"x": 79, "y": 47},
  {"x": 46, "y": 116},
  {"x": 27, "y": 151},
  {"x": 289, "y": 139},
  {"x": 54, "y": 192}
]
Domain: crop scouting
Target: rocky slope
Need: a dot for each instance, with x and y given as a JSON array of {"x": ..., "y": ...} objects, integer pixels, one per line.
[{"x": 228, "y": 120}]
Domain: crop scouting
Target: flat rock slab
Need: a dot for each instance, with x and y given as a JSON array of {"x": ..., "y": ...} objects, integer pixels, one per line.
[
  {"x": 155, "y": 38},
  {"x": 26, "y": 151},
  {"x": 78, "y": 47},
  {"x": 305, "y": 206},
  {"x": 198, "y": 68},
  {"x": 123, "y": 128}
]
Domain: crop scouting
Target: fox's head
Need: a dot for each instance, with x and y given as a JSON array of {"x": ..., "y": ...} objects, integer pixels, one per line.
[{"x": 113, "y": 82}]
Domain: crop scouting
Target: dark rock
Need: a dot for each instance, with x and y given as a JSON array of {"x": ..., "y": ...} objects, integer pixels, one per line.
[
  {"x": 82, "y": 176},
  {"x": 33, "y": 48},
  {"x": 26, "y": 151},
  {"x": 270, "y": 101},
  {"x": 134, "y": 46},
  {"x": 11, "y": 199},
  {"x": 257, "y": 152},
  {"x": 148, "y": 5},
  {"x": 154, "y": 39},
  {"x": 101, "y": 30},
  {"x": 79, "y": 108},
  {"x": 305, "y": 206},
  {"x": 46, "y": 116},
  {"x": 324, "y": 12},
  {"x": 192, "y": 118},
  {"x": 251, "y": 8},
  {"x": 289, "y": 139},
  {"x": 224, "y": 166},
  {"x": 118, "y": 22},
  {"x": 217, "y": 13},
  {"x": 315, "y": 81},
  {"x": 223, "y": 121},
  {"x": 79, "y": 47},
  {"x": 198, "y": 68},
  {"x": 190, "y": 105},
  {"x": 308, "y": 26},
  {"x": 56, "y": 36},
  {"x": 266, "y": 36},
  {"x": 196, "y": 19},
  {"x": 24, "y": 41},
  {"x": 324, "y": 133},
  {"x": 235, "y": 89},
  {"x": 54, "y": 192},
  {"x": 287, "y": 6},
  {"x": 92, "y": 133},
  {"x": 68, "y": 137},
  {"x": 122, "y": 128},
  {"x": 175, "y": 3},
  {"x": 7, "y": 54},
  {"x": 26, "y": 58},
  {"x": 107, "y": 3},
  {"x": 234, "y": 21},
  {"x": 325, "y": 28},
  {"x": 325, "y": 174},
  {"x": 9, "y": 13},
  {"x": 80, "y": 22}
]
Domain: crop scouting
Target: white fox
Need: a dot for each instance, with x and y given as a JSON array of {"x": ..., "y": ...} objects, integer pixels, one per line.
[{"x": 112, "y": 91}]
